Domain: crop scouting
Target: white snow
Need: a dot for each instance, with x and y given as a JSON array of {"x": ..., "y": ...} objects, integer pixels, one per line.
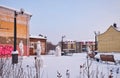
[
  {"x": 116, "y": 55},
  {"x": 40, "y": 37},
  {"x": 52, "y": 64}
]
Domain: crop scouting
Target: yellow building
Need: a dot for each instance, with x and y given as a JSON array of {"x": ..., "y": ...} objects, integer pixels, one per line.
[
  {"x": 7, "y": 16},
  {"x": 109, "y": 41},
  {"x": 69, "y": 46}
]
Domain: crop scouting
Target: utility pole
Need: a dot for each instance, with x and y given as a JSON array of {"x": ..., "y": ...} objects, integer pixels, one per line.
[{"x": 62, "y": 43}]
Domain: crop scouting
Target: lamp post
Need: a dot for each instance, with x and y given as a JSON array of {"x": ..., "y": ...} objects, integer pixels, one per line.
[
  {"x": 15, "y": 52},
  {"x": 96, "y": 40},
  {"x": 62, "y": 43}
]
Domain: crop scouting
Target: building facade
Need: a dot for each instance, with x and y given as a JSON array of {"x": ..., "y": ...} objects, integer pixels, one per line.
[
  {"x": 69, "y": 46},
  {"x": 7, "y": 30},
  {"x": 109, "y": 41},
  {"x": 78, "y": 46},
  {"x": 33, "y": 44}
]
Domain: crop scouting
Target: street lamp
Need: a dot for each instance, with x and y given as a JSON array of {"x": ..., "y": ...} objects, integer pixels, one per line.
[
  {"x": 62, "y": 43},
  {"x": 96, "y": 40},
  {"x": 15, "y": 52}
]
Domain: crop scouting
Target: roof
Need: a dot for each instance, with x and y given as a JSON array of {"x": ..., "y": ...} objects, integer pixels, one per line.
[
  {"x": 38, "y": 37},
  {"x": 115, "y": 28},
  {"x": 13, "y": 9}
]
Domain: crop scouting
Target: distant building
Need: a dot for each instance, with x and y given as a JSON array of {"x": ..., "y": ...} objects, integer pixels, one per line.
[
  {"x": 33, "y": 44},
  {"x": 77, "y": 46},
  {"x": 109, "y": 41},
  {"x": 69, "y": 46},
  {"x": 85, "y": 44},
  {"x": 7, "y": 30}
]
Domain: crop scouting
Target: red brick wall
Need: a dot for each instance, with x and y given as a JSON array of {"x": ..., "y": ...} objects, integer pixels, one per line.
[{"x": 43, "y": 45}]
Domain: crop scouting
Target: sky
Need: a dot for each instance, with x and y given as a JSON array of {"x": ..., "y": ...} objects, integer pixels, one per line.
[{"x": 76, "y": 19}]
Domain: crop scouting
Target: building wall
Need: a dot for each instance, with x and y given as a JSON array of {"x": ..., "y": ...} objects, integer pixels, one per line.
[
  {"x": 69, "y": 46},
  {"x": 33, "y": 42},
  {"x": 7, "y": 28},
  {"x": 78, "y": 46},
  {"x": 91, "y": 44},
  {"x": 109, "y": 41}
]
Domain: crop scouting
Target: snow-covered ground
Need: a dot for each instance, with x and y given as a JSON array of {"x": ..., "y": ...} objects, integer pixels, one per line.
[{"x": 54, "y": 64}]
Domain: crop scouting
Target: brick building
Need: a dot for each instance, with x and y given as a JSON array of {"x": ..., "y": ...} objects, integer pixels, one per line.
[
  {"x": 33, "y": 44},
  {"x": 7, "y": 30},
  {"x": 109, "y": 41}
]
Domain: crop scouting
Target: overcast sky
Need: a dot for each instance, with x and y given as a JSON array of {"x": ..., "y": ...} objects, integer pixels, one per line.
[{"x": 76, "y": 19}]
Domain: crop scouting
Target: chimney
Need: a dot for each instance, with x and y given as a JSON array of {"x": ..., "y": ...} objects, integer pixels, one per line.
[{"x": 115, "y": 25}]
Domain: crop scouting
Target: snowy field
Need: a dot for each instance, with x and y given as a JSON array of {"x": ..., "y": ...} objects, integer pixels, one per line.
[{"x": 76, "y": 64}]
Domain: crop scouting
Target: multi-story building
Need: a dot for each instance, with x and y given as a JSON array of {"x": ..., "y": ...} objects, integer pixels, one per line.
[
  {"x": 109, "y": 41},
  {"x": 7, "y": 16},
  {"x": 69, "y": 46},
  {"x": 76, "y": 46}
]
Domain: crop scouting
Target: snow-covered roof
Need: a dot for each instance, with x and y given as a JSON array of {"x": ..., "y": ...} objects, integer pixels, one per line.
[
  {"x": 70, "y": 40},
  {"x": 39, "y": 37},
  {"x": 113, "y": 27},
  {"x": 117, "y": 28},
  {"x": 13, "y": 9}
]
